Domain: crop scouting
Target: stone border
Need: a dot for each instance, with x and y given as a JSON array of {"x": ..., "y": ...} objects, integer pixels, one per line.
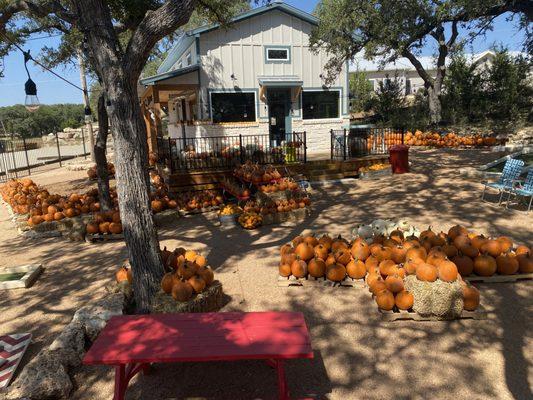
[{"x": 32, "y": 271}]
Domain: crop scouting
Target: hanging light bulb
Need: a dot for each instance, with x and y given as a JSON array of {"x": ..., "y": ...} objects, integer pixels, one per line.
[
  {"x": 32, "y": 101},
  {"x": 88, "y": 115}
]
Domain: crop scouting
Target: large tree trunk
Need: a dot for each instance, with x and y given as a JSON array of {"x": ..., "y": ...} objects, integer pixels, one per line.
[
  {"x": 131, "y": 155},
  {"x": 435, "y": 106},
  {"x": 104, "y": 194}
]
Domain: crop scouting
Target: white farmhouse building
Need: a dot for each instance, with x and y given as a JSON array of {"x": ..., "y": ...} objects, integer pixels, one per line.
[
  {"x": 257, "y": 77},
  {"x": 406, "y": 73}
]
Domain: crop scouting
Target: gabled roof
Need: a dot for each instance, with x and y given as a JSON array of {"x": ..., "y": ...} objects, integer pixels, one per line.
[
  {"x": 188, "y": 37},
  {"x": 150, "y": 80}
]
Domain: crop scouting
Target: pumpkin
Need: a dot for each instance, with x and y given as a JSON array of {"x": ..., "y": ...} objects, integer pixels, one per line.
[
  {"x": 462, "y": 241},
  {"x": 388, "y": 267},
  {"x": 58, "y": 216},
  {"x": 371, "y": 278},
  {"x": 311, "y": 240},
  {"x": 457, "y": 230},
  {"x": 520, "y": 250},
  {"x": 360, "y": 250},
  {"x": 336, "y": 272},
  {"x": 485, "y": 265},
  {"x": 321, "y": 251},
  {"x": 52, "y": 210},
  {"x": 338, "y": 244},
  {"x": 411, "y": 265},
  {"x": 507, "y": 264},
  {"x": 197, "y": 283},
  {"x": 207, "y": 275},
  {"x": 470, "y": 298},
  {"x": 377, "y": 285},
  {"x": 115, "y": 228},
  {"x": 398, "y": 254},
  {"x": 371, "y": 263},
  {"x": 397, "y": 236},
  {"x": 447, "y": 271},
  {"x": 285, "y": 270},
  {"x": 404, "y": 300},
  {"x": 304, "y": 251},
  {"x": 394, "y": 283},
  {"x": 426, "y": 272},
  {"x": 297, "y": 240},
  {"x": 182, "y": 291},
  {"x": 186, "y": 270},
  {"x": 381, "y": 253},
  {"x": 356, "y": 269},
  {"x": 299, "y": 268},
  {"x": 492, "y": 247},
  {"x": 92, "y": 228},
  {"x": 316, "y": 267},
  {"x": 286, "y": 248},
  {"x": 439, "y": 240},
  {"x": 124, "y": 274},
  {"x": 478, "y": 241},
  {"x": 469, "y": 250},
  {"x": 435, "y": 256},
  {"x": 389, "y": 243},
  {"x": 506, "y": 244},
  {"x": 104, "y": 227},
  {"x": 201, "y": 261},
  {"x": 70, "y": 213},
  {"x": 450, "y": 250},
  {"x": 167, "y": 282},
  {"x": 325, "y": 241},
  {"x": 464, "y": 264},
  {"x": 288, "y": 258},
  {"x": 190, "y": 255},
  {"x": 385, "y": 300},
  {"x": 428, "y": 234},
  {"x": 343, "y": 256},
  {"x": 36, "y": 220},
  {"x": 525, "y": 263},
  {"x": 115, "y": 217},
  {"x": 157, "y": 206},
  {"x": 330, "y": 260},
  {"x": 416, "y": 252}
]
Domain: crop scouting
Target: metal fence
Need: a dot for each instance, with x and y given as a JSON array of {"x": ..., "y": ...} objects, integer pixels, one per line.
[
  {"x": 225, "y": 152},
  {"x": 360, "y": 142},
  {"x": 19, "y": 156}
]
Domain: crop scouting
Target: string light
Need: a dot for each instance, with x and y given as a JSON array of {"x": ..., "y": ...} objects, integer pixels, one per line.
[{"x": 32, "y": 101}]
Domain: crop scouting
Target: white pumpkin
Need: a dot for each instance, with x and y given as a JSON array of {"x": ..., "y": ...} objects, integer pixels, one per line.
[{"x": 363, "y": 231}]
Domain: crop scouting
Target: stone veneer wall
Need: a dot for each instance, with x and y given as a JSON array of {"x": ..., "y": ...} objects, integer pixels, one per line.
[{"x": 318, "y": 131}]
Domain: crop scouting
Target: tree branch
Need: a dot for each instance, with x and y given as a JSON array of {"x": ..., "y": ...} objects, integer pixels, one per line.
[
  {"x": 428, "y": 80},
  {"x": 41, "y": 9}
]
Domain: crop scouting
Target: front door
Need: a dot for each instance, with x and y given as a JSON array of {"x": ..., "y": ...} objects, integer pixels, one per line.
[{"x": 279, "y": 115}]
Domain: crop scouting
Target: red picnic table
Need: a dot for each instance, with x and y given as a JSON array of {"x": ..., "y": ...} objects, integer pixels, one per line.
[{"x": 132, "y": 342}]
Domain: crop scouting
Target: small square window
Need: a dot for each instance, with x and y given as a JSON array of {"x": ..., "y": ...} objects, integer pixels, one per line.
[{"x": 277, "y": 54}]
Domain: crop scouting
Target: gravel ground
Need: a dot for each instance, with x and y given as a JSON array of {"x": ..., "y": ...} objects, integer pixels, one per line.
[{"x": 356, "y": 355}]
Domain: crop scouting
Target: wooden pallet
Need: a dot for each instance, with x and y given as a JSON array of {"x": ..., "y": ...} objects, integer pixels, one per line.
[
  {"x": 99, "y": 237},
  {"x": 399, "y": 315},
  {"x": 498, "y": 278},
  {"x": 319, "y": 282}
]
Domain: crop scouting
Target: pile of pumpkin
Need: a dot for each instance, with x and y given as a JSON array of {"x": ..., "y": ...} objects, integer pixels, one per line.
[
  {"x": 375, "y": 167},
  {"x": 279, "y": 186},
  {"x": 236, "y": 189},
  {"x": 197, "y": 200},
  {"x": 188, "y": 273},
  {"x": 250, "y": 220},
  {"x": 273, "y": 207},
  {"x": 92, "y": 174},
  {"x": 434, "y": 139},
  {"x": 256, "y": 173},
  {"x": 105, "y": 223}
]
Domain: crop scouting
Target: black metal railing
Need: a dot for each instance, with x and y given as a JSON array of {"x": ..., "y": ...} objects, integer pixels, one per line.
[
  {"x": 225, "y": 152},
  {"x": 19, "y": 156},
  {"x": 359, "y": 142}
]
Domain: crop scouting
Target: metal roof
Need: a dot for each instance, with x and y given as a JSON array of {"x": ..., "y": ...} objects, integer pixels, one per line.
[
  {"x": 151, "y": 80},
  {"x": 283, "y": 80}
]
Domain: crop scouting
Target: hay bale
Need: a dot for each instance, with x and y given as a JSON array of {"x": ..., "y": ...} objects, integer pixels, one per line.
[{"x": 441, "y": 299}]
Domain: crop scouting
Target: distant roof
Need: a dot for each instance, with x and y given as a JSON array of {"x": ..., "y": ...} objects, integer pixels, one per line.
[
  {"x": 187, "y": 38},
  {"x": 150, "y": 80},
  {"x": 403, "y": 64}
]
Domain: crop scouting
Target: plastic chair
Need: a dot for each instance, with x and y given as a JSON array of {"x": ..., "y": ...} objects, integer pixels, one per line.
[
  {"x": 511, "y": 172},
  {"x": 523, "y": 189}
]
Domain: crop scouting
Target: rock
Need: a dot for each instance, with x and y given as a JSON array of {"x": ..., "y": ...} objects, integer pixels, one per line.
[
  {"x": 44, "y": 377},
  {"x": 70, "y": 345},
  {"x": 212, "y": 299},
  {"x": 78, "y": 230},
  {"x": 441, "y": 299},
  {"x": 95, "y": 316},
  {"x": 165, "y": 217},
  {"x": 46, "y": 226}
]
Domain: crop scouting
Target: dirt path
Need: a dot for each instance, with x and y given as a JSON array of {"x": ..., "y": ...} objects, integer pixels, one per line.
[{"x": 356, "y": 355}]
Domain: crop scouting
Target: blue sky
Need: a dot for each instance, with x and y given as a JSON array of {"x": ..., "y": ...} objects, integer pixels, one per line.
[{"x": 51, "y": 90}]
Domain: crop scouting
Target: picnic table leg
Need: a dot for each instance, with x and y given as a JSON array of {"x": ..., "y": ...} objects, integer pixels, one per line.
[
  {"x": 283, "y": 389},
  {"x": 120, "y": 382}
]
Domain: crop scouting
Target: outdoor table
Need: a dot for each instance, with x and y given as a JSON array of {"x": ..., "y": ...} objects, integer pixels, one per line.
[{"x": 131, "y": 342}]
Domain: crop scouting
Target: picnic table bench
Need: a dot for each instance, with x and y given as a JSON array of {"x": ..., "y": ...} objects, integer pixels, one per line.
[{"x": 131, "y": 342}]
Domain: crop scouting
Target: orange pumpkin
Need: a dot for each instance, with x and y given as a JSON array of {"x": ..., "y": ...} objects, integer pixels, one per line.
[
  {"x": 321, "y": 251},
  {"x": 388, "y": 267},
  {"x": 343, "y": 256},
  {"x": 115, "y": 228},
  {"x": 394, "y": 283},
  {"x": 416, "y": 252},
  {"x": 385, "y": 300},
  {"x": 485, "y": 265},
  {"x": 336, "y": 272},
  {"x": 464, "y": 264},
  {"x": 182, "y": 291},
  {"x": 447, "y": 271},
  {"x": 360, "y": 250},
  {"x": 470, "y": 298},
  {"x": 299, "y": 268},
  {"x": 304, "y": 251},
  {"x": 507, "y": 264},
  {"x": 356, "y": 269},
  {"x": 525, "y": 263},
  {"x": 167, "y": 282},
  {"x": 207, "y": 275},
  {"x": 506, "y": 244},
  {"x": 492, "y": 247},
  {"x": 316, "y": 267},
  {"x": 197, "y": 283},
  {"x": 404, "y": 300},
  {"x": 124, "y": 274},
  {"x": 426, "y": 272},
  {"x": 371, "y": 263}
]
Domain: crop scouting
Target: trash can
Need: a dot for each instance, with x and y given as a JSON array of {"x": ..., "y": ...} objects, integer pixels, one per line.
[{"x": 399, "y": 158}]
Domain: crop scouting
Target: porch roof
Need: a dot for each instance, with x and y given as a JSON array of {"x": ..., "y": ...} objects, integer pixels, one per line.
[
  {"x": 152, "y": 80},
  {"x": 280, "y": 81}
]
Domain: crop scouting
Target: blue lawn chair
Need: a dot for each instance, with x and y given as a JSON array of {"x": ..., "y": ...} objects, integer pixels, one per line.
[
  {"x": 523, "y": 189},
  {"x": 511, "y": 172}
]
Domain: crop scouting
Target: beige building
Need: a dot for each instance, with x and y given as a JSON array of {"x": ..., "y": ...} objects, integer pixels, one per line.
[{"x": 258, "y": 77}]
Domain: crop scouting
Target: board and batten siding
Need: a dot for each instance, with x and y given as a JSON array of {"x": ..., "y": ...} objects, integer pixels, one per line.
[{"x": 239, "y": 51}]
